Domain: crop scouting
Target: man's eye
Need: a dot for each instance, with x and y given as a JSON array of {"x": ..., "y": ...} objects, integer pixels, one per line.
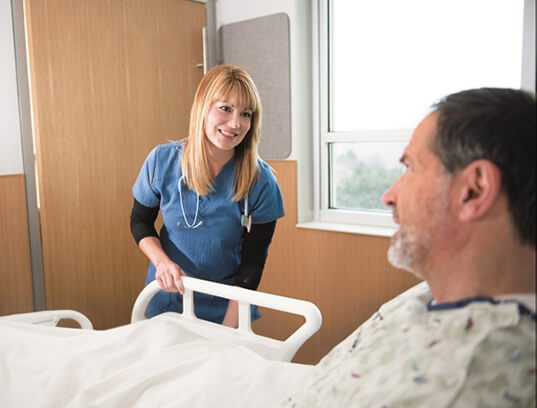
[{"x": 403, "y": 167}]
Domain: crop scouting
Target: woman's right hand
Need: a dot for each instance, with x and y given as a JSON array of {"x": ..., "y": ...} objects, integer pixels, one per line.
[{"x": 168, "y": 275}]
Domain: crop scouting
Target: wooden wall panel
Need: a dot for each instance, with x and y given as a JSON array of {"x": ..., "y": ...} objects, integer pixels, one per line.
[
  {"x": 110, "y": 80},
  {"x": 346, "y": 275},
  {"x": 15, "y": 266}
]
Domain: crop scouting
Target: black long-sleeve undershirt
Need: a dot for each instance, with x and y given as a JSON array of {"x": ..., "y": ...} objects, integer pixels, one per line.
[
  {"x": 143, "y": 221},
  {"x": 254, "y": 244},
  {"x": 254, "y": 253}
]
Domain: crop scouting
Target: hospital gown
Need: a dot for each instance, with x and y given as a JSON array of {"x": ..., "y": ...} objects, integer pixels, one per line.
[{"x": 412, "y": 354}]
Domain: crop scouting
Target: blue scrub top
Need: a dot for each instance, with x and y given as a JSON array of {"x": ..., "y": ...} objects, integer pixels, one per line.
[{"x": 211, "y": 251}]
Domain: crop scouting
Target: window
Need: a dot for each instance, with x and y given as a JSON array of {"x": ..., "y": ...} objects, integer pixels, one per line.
[{"x": 381, "y": 65}]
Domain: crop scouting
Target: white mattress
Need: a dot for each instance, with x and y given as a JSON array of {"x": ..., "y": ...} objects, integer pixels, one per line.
[{"x": 148, "y": 364}]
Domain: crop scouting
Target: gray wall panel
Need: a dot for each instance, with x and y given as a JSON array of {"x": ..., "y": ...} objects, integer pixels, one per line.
[{"x": 261, "y": 46}]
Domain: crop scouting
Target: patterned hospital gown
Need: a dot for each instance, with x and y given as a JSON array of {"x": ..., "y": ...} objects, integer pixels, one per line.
[{"x": 478, "y": 353}]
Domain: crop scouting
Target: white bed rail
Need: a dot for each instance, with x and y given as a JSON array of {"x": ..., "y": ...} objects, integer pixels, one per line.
[
  {"x": 269, "y": 348},
  {"x": 50, "y": 318}
]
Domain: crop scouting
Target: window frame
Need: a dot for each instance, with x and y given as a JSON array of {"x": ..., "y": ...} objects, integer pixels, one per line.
[
  {"x": 375, "y": 223},
  {"x": 356, "y": 221}
]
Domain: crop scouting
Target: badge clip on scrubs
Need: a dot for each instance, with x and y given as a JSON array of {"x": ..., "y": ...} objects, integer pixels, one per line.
[{"x": 246, "y": 219}]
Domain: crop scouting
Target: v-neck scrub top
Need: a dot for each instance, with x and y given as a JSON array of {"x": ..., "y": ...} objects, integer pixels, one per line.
[{"x": 212, "y": 251}]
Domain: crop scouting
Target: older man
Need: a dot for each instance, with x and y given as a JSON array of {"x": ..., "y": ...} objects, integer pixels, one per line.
[{"x": 465, "y": 206}]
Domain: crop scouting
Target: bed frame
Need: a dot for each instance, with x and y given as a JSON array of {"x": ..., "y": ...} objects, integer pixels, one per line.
[
  {"x": 267, "y": 347},
  {"x": 243, "y": 335},
  {"x": 50, "y": 318}
]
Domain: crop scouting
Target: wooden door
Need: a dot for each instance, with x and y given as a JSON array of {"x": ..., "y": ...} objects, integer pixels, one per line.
[
  {"x": 110, "y": 79},
  {"x": 15, "y": 269}
]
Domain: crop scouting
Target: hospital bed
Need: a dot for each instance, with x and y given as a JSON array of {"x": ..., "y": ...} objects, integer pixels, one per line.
[
  {"x": 170, "y": 360},
  {"x": 266, "y": 347}
]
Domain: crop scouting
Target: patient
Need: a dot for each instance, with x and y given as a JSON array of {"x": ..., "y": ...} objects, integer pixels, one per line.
[{"x": 465, "y": 206}]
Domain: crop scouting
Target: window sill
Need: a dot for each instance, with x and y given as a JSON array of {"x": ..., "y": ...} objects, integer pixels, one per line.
[{"x": 348, "y": 228}]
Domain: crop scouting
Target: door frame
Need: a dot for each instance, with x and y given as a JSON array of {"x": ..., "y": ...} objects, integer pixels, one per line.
[
  {"x": 27, "y": 136},
  {"x": 28, "y": 156}
]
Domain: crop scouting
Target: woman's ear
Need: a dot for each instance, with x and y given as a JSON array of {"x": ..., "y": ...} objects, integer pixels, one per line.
[{"x": 480, "y": 186}]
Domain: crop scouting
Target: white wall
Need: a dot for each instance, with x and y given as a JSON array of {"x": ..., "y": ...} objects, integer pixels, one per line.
[
  {"x": 299, "y": 12},
  {"x": 10, "y": 132},
  {"x": 528, "y": 53}
]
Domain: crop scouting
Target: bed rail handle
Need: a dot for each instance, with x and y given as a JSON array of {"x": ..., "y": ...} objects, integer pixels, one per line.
[
  {"x": 51, "y": 318},
  {"x": 245, "y": 297},
  {"x": 142, "y": 301}
]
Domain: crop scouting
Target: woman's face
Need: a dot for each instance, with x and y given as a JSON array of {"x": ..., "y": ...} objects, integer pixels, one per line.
[{"x": 227, "y": 123}]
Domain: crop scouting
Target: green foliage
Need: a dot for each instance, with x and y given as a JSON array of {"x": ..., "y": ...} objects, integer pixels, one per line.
[{"x": 364, "y": 186}]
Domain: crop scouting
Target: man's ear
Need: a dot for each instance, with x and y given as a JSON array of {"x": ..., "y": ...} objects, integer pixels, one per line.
[{"x": 480, "y": 186}]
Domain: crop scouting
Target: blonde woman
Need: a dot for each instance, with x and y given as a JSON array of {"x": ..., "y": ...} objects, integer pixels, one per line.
[{"x": 219, "y": 201}]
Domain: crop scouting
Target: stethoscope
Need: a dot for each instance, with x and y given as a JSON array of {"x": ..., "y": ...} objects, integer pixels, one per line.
[{"x": 246, "y": 218}]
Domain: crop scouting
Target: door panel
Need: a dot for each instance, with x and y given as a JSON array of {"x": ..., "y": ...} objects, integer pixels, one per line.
[
  {"x": 15, "y": 269},
  {"x": 110, "y": 80}
]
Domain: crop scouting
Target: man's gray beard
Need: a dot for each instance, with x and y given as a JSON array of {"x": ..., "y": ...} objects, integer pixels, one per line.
[{"x": 406, "y": 247}]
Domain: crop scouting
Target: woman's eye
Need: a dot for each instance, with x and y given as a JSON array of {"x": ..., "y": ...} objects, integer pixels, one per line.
[
  {"x": 247, "y": 114},
  {"x": 225, "y": 108}
]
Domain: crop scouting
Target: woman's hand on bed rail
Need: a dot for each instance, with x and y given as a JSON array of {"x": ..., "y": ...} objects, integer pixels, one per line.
[
  {"x": 168, "y": 275},
  {"x": 231, "y": 319}
]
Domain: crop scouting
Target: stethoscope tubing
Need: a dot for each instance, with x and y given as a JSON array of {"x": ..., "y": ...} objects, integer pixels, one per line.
[{"x": 246, "y": 218}]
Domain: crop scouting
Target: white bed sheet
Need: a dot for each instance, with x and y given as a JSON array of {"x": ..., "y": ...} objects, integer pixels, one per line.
[{"x": 153, "y": 363}]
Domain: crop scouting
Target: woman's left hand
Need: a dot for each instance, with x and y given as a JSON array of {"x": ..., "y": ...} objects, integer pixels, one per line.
[{"x": 231, "y": 319}]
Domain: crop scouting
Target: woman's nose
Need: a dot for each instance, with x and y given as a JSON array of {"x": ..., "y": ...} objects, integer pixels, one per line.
[{"x": 234, "y": 121}]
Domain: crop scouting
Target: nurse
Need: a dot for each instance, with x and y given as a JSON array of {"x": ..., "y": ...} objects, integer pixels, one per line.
[{"x": 219, "y": 201}]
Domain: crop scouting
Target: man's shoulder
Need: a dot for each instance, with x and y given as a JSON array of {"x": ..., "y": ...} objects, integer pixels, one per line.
[
  {"x": 502, "y": 370},
  {"x": 419, "y": 294}
]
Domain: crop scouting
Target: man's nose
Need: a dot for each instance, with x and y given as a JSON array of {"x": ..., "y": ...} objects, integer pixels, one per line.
[{"x": 390, "y": 195}]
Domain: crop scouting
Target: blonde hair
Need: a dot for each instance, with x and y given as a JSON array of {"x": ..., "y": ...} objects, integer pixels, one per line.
[{"x": 218, "y": 83}]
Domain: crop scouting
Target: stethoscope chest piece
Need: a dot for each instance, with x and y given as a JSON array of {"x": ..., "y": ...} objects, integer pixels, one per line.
[{"x": 246, "y": 222}]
